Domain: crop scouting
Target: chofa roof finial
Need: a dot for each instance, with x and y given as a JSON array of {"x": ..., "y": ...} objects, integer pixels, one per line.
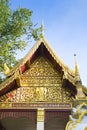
[
  {"x": 6, "y": 69},
  {"x": 42, "y": 29}
]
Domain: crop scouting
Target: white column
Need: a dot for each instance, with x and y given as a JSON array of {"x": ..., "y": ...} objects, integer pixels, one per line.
[{"x": 40, "y": 119}]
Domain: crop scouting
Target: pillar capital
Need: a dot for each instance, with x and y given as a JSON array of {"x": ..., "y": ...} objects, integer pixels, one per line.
[{"x": 40, "y": 114}]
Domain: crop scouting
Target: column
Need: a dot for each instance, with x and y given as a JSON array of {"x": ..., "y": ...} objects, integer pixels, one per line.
[{"x": 40, "y": 119}]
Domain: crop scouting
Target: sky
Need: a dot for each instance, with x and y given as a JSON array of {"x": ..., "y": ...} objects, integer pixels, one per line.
[{"x": 65, "y": 23}]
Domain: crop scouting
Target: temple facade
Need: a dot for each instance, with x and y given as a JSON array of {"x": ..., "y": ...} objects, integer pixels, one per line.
[{"x": 42, "y": 93}]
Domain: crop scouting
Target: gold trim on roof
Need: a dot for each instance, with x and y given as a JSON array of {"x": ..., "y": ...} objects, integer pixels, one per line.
[
  {"x": 15, "y": 76},
  {"x": 41, "y": 83},
  {"x": 68, "y": 73},
  {"x": 32, "y": 51},
  {"x": 7, "y": 82}
]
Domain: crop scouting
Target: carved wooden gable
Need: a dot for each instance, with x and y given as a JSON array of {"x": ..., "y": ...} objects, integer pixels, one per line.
[{"x": 40, "y": 83}]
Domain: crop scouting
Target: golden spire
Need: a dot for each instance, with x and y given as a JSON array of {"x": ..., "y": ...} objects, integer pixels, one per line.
[
  {"x": 77, "y": 75},
  {"x": 78, "y": 82}
]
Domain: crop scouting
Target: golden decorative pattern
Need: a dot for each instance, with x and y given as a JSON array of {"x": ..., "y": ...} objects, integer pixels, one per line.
[{"x": 41, "y": 83}]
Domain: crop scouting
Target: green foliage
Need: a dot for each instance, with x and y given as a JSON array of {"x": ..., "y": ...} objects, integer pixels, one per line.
[{"x": 14, "y": 25}]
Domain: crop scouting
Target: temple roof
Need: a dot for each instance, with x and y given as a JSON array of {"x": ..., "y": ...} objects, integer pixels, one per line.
[
  {"x": 43, "y": 48},
  {"x": 32, "y": 52}
]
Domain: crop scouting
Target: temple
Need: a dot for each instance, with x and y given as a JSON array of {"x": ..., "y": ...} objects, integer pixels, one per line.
[{"x": 42, "y": 93}]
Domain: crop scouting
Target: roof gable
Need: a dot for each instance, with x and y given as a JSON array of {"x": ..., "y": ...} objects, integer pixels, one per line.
[{"x": 41, "y": 48}]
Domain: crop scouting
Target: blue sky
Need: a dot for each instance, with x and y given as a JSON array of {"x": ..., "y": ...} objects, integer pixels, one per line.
[{"x": 65, "y": 24}]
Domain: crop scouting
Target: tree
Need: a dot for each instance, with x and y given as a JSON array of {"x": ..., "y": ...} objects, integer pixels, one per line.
[{"x": 14, "y": 26}]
